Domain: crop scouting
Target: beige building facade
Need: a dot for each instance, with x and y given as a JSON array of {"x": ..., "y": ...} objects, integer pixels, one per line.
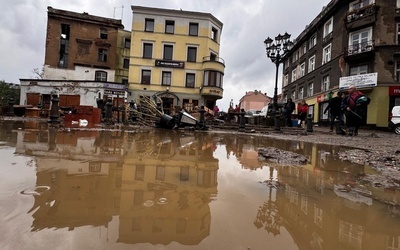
[{"x": 175, "y": 56}]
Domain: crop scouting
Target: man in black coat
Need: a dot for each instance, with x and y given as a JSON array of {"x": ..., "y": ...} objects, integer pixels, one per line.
[
  {"x": 288, "y": 109},
  {"x": 335, "y": 109}
]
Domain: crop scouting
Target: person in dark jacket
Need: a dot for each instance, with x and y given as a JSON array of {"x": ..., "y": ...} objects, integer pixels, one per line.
[
  {"x": 354, "y": 115},
  {"x": 288, "y": 109},
  {"x": 335, "y": 109}
]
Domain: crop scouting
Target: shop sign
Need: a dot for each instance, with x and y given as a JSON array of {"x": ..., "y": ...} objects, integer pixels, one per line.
[
  {"x": 114, "y": 86},
  {"x": 394, "y": 91},
  {"x": 170, "y": 64},
  {"x": 323, "y": 97},
  {"x": 213, "y": 91},
  {"x": 360, "y": 81},
  {"x": 113, "y": 92}
]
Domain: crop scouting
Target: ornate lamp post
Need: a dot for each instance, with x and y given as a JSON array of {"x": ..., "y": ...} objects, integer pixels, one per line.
[{"x": 277, "y": 52}]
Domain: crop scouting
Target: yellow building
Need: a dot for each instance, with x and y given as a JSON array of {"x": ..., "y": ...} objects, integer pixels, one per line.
[
  {"x": 175, "y": 56},
  {"x": 123, "y": 53}
]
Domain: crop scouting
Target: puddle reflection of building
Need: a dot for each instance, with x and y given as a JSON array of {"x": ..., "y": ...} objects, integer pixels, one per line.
[
  {"x": 306, "y": 205},
  {"x": 83, "y": 182},
  {"x": 167, "y": 185},
  {"x": 159, "y": 184}
]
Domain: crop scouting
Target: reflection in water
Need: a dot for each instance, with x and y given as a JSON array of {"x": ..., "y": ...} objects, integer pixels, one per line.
[{"x": 161, "y": 187}]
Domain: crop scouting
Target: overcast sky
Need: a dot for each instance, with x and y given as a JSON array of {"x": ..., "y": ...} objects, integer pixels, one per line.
[{"x": 246, "y": 25}]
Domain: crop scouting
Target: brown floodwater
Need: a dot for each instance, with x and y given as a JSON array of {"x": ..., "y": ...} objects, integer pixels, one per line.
[{"x": 162, "y": 189}]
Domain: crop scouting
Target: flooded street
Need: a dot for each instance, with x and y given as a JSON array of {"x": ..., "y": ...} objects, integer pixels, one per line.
[{"x": 166, "y": 189}]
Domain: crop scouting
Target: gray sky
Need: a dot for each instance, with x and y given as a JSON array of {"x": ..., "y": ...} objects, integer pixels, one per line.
[{"x": 246, "y": 24}]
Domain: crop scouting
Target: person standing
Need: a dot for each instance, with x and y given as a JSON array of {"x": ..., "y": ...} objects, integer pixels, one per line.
[
  {"x": 216, "y": 110},
  {"x": 335, "y": 108},
  {"x": 354, "y": 117},
  {"x": 288, "y": 109},
  {"x": 302, "y": 109}
]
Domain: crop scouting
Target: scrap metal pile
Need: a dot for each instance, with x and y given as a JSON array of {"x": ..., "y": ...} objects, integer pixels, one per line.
[{"x": 150, "y": 113}]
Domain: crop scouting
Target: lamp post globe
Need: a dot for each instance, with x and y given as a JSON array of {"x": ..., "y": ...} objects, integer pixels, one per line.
[{"x": 277, "y": 50}]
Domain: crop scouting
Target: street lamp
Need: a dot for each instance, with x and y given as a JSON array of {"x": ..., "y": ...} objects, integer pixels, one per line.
[{"x": 277, "y": 52}]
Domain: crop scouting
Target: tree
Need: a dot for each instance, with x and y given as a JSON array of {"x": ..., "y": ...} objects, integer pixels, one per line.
[
  {"x": 8, "y": 91},
  {"x": 38, "y": 72}
]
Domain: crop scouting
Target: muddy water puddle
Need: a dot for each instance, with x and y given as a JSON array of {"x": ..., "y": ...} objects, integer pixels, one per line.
[{"x": 158, "y": 189}]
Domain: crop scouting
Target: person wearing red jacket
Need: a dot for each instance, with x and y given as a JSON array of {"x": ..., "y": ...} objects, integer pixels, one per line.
[
  {"x": 354, "y": 115},
  {"x": 302, "y": 109}
]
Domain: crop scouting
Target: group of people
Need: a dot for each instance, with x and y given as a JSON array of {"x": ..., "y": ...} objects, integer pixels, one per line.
[
  {"x": 302, "y": 110},
  {"x": 352, "y": 106}
]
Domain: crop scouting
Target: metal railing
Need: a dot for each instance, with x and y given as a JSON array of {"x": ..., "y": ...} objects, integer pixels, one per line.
[{"x": 360, "y": 48}]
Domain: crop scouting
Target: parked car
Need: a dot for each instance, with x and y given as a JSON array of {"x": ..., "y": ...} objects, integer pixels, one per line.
[
  {"x": 394, "y": 122},
  {"x": 267, "y": 111}
]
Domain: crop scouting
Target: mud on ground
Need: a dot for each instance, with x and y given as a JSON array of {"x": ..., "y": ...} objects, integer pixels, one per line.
[{"x": 378, "y": 149}]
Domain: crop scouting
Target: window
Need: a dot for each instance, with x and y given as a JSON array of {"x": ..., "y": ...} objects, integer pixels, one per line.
[
  {"x": 293, "y": 75},
  {"x": 302, "y": 69},
  {"x": 326, "y": 54},
  {"x": 311, "y": 64},
  {"x": 100, "y": 76},
  {"x": 102, "y": 56},
  {"x": 213, "y": 78},
  {"x": 398, "y": 71},
  {"x": 398, "y": 33},
  {"x": 190, "y": 80},
  {"x": 313, "y": 41},
  {"x": 214, "y": 34},
  {"x": 293, "y": 95},
  {"x": 127, "y": 43},
  {"x": 213, "y": 57},
  {"x": 166, "y": 78},
  {"x": 193, "y": 29},
  {"x": 325, "y": 83},
  {"x": 125, "y": 81},
  {"x": 64, "y": 46},
  {"x": 310, "y": 89},
  {"x": 169, "y": 26},
  {"x": 146, "y": 75},
  {"x": 286, "y": 80},
  {"x": 303, "y": 49},
  {"x": 103, "y": 33},
  {"x": 160, "y": 173},
  {"x": 328, "y": 27},
  {"x": 358, "y": 70},
  {"x": 126, "y": 63},
  {"x": 360, "y": 41},
  {"x": 168, "y": 49},
  {"x": 191, "y": 54},
  {"x": 147, "y": 50},
  {"x": 355, "y": 5},
  {"x": 149, "y": 25},
  {"x": 295, "y": 56},
  {"x": 301, "y": 93}
]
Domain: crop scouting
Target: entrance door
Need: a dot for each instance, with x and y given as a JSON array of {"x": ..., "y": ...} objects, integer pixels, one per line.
[{"x": 168, "y": 105}]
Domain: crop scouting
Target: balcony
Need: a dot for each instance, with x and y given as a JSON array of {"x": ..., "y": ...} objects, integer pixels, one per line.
[
  {"x": 361, "y": 17},
  {"x": 213, "y": 63},
  {"x": 212, "y": 92},
  {"x": 364, "y": 50}
]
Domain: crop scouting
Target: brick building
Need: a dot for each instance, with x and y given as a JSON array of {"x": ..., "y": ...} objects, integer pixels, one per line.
[
  {"x": 348, "y": 43},
  {"x": 82, "y": 56}
]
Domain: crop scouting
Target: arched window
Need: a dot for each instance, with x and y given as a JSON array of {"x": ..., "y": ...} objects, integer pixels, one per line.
[{"x": 100, "y": 76}]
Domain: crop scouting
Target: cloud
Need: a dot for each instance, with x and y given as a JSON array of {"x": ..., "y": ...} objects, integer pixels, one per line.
[{"x": 247, "y": 23}]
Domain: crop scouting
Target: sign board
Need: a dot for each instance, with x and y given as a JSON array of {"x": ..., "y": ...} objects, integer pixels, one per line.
[
  {"x": 114, "y": 86},
  {"x": 394, "y": 91},
  {"x": 170, "y": 64},
  {"x": 360, "y": 81},
  {"x": 324, "y": 97},
  {"x": 113, "y": 92}
]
